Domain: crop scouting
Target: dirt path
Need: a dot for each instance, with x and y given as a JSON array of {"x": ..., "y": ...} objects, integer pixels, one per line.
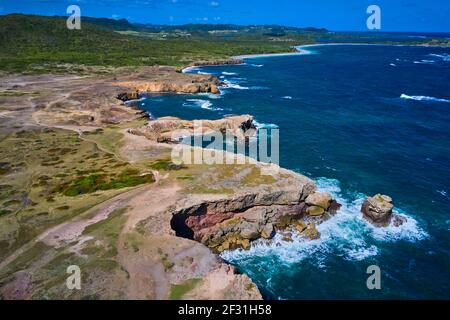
[
  {"x": 68, "y": 231},
  {"x": 146, "y": 273}
]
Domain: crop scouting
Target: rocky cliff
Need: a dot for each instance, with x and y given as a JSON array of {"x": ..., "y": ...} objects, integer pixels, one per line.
[
  {"x": 235, "y": 221},
  {"x": 171, "y": 129}
]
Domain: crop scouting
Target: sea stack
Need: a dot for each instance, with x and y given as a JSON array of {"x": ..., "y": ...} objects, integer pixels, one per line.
[{"x": 378, "y": 210}]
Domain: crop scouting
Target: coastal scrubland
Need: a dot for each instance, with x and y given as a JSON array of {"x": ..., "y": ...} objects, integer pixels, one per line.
[{"x": 39, "y": 44}]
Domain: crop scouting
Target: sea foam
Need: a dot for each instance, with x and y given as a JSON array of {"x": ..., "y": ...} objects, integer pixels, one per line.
[
  {"x": 347, "y": 234},
  {"x": 204, "y": 104},
  {"x": 232, "y": 85}
]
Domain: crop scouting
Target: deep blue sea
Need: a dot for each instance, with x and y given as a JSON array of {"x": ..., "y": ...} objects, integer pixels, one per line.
[{"x": 359, "y": 120}]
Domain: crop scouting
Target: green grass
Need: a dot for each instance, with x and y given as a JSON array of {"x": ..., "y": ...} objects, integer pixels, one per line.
[
  {"x": 177, "y": 291},
  {"x": 40, "y": 44},
  {"x": 95, "y": 182},
  {"x": 165, "y": 164}
]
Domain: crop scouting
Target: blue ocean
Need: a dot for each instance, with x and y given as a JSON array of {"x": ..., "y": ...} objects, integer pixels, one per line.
[{"x": 359, "y": 120}]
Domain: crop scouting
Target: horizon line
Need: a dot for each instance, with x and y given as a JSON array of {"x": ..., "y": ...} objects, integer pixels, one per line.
[{"x": 232, "y": 24}]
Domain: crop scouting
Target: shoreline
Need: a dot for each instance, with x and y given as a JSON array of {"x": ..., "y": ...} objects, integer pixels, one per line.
[{"x": 301, "y": 50}]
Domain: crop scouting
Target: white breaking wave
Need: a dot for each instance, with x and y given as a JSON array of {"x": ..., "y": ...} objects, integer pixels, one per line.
[
  {"x": 392, "y": 64},
  {"x": 128, "y": 102},
  {"x": 259, "y": 88},
  {"x": 422, "y": 98},
  {"x": 204, "y": 104},
  {"x": 443, "y": 56},
  {"x": 287, "y": 97},
  {"x": 256, "y": 65},
  {"x": 202, "y": 72},
  {"x": 424, "y": 62},
  {"x": 347, "y": 234},
  {"x": 229, "y": 73},
  {"x": 264, "y": 125},
  {"x": 231, "y": 85},
  {"x": 209, "y": 95}
]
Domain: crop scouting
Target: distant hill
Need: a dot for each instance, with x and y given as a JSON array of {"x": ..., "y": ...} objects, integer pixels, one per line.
[
  {"x": 28, "y": 41},
  {"x": 31, "y": 43}
]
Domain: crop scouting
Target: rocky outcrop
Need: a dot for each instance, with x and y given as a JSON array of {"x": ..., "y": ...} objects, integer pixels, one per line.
[
  {"x": 126, "y": 96},
  {"x": 195, "y": 84},
  {"x": 218, "y": 62},
  {"x": 378, "y": 210},
  {"x": 235, "y": 222},
  {"x": 172, "y": 130}
]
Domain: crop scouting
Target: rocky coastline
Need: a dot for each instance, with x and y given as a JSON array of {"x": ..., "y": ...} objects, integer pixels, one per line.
[{"x": 171, "y": 228}]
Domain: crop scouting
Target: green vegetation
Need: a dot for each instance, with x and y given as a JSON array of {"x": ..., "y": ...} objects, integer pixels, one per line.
[
  {"x": 39, "y": 44},
  {"x": 177, "y": 291},
  {"x": 35, "y": 195},
  {"x": 44, "y": 44},
  {"x": 255, "y": 178},
  {"x": 94, "y": 182},
  {"x": 165, "y": 164}
]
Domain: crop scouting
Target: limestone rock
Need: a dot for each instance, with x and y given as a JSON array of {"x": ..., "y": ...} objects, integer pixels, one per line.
[
  {"x": 315, "y": 211},
  {"x": 378, "y": 209},
  {"x": 300, "y": 226},
  {"x": 267, "y": 231},
  {"x": 319, "y": 199},
  {"x": 250, "y": 232},
  {"x": 172, "y": 129},
  {"x": 245, "y": 244},
  {"x": 311, "y": 232}
]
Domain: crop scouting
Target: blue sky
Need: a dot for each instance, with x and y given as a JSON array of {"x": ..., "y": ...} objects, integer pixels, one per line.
[{"x": 397, "y": 15}]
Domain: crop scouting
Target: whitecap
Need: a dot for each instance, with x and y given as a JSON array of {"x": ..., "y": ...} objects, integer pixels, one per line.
[
  {"x": 231, "y": 85},
  {"x": 202, "y": 72},
  {"x": 210, "y": 95},
  {"x": 229, "y": 73},
  {"x": 256, "y": 65},
  {"x": 392, "y": 64},
  {"x": 189, "y": 69},
  {"x": 128, "y": 102},
  {"x": 422, "y": 98},
  {"x": 424, "y": 62},
  {"x": 443, "y": 193},
  {"x": 287, "y": 97},
  {"x": 204, "y": 104},
  {"x": 443, "y": 56},
  {"x": 259, "y": 88},
  {"x": 264, "y": 125}
]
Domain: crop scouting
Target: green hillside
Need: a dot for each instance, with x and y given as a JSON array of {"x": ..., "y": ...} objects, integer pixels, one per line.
[{"x": 28, "y": 42}]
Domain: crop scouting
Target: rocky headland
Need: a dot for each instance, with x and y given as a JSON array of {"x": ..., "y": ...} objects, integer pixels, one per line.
[{"x": 167, "y": 230}]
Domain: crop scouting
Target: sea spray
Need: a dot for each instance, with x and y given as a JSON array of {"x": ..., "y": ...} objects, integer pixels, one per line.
[{"x": 347, "y": 235}]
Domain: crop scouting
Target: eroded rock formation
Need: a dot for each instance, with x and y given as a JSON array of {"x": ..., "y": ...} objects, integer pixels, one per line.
[
  {"x": 218, "y": 62},
  {"x": 378, "y": 210},
  {"x": 193, "y": 84},
  {"x": 235, "y": 222},
  {"x": 171, "y": 129}
]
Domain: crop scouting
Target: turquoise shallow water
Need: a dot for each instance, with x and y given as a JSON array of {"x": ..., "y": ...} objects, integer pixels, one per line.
[{"x": 359, "y": 120}]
